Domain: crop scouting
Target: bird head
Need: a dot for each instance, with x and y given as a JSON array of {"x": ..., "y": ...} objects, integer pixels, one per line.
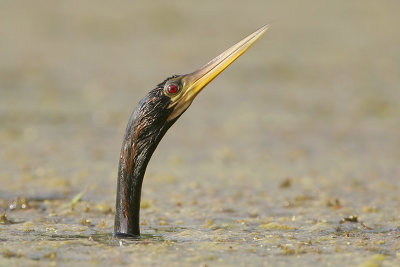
[{"x": 176, "y": 93}]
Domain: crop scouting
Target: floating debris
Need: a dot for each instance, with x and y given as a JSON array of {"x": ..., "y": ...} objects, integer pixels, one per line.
[
  {"x": 51, "y": 255},
  {"x": 287, "y": 250},
  {"x": 77, "y": 198},
  {"x": 11, "y": 254},
  {"x": 276, "y": 226},
  {"x": 19, "y": 203},
  {"x": 101, "y": 224},
  {"x": 85, "y": 221},
  {"x": 352, "y": 218},
  {"x": 334, "y": 204},
  {"x": 366, "y": 226},
  {"x": 3, "y": 219},
  {"x": 286, "y": 183}
]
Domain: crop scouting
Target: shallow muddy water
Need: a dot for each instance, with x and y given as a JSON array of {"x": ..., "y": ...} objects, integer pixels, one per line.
[{"x": 290, "y": 157}]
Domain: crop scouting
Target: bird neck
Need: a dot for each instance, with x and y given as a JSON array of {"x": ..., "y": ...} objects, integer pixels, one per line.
[{"x": 139, "y": 143}]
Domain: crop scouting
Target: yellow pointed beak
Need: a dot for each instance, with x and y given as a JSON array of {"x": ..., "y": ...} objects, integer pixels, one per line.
[{"x": 194, "y": 82}]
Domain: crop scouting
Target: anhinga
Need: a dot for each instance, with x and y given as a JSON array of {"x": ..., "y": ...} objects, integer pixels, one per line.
[{"x": 151, "y": 119}]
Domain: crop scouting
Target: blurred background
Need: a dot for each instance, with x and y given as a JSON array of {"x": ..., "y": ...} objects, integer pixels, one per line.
[{"x": 315, "y": 101}]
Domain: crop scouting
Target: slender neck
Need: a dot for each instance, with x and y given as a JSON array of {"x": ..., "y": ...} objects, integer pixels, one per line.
[
  {"x": 129, "y": 189},
  {"x": 132, "y": 166},
  {"x": 140, "y": 141}
]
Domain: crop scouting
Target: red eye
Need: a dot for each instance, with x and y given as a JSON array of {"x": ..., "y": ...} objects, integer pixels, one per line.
[{"x": 172, "y": 88}]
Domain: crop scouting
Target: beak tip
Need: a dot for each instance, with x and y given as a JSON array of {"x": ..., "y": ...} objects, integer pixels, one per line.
[{"x": 265, "y": 28}]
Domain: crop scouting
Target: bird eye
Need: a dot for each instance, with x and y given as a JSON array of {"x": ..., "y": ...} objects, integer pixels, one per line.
[{"x": 172, "y": 89}]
